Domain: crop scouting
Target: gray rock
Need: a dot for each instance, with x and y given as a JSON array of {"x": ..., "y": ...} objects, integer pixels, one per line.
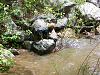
[
  {"x": 61, "y": 23},
  {"x": 40, "y": 29},
  {"x": 39, "y": 25},
  {"x": 95, "y": 2},
  {"x": 90, "y": 10},
  {"x": 6, "y": 54},
  {"x": 43, "y": 46},
  {"x": 67, "y": 7},
  {"x": 11, "y": 25}
]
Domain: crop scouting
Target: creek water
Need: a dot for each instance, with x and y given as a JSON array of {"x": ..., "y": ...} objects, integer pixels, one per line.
[{"x": 67, "y": 61}]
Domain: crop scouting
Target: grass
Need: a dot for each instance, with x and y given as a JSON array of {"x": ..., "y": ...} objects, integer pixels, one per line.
[{"x": 84, "y": 67}]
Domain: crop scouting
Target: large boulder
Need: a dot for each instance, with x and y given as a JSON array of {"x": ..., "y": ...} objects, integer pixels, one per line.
[
  {"x": 43, "y": 46},
  {"x": 61, "y": 23},
  {"x": 39, "y": 25},
  {"x": 39, "y": 29},
  {"x": 95, "y": 2},
  {"x": 90, "y": 10}
]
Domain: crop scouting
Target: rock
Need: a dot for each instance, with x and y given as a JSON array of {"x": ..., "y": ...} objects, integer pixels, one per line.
[
  {"x": 53, "y": 35},
  {"x": 95, "y": 2},
  {"x": 11, "y": 25},
  {"x": 14, "y": 51},
  {"x": 39, "y": 25},
  {"x": 6, "y": 54},
  {"x": 40, "y": 29},
  {"x": 44, "y": 46},
  {"x": 27, "y": 44},
  {"x": 90, "y": 10},
  {"x": 61, "y": 23},
  {"x": 67, "y": 7}
]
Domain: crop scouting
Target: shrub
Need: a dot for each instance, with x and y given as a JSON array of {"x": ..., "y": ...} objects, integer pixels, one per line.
[
  {"x": 11, "y": 39},
  {"x": 6, "y": 61}
]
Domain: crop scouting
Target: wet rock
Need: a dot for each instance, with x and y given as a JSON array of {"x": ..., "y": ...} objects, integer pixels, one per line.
[
  {"x": 61, "y": 24},
  {"x": 27, "y": 44},
  {"x": 90, "y": 10},
  {"x": 39, "y": 29},
  {"x": 53, "y": 35},
  {"x": 95, "y": 2},
  {"x": 14, "y": 51},
  {"x": 44, "y": 46}
]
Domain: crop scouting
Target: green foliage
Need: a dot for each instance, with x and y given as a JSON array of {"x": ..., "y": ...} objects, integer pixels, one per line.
[
  {"x": 41, "y": 6},
  {"x": 10, "y": 37},
  {"x": 53, "y": 10},
  {"x": 3, "y": 12},
  {"x": 32, "y": 5},
  {"x": 79, "y": 1},
  {"x": 6, "y": 61}
]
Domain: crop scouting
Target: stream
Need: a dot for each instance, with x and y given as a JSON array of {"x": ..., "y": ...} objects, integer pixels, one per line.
[{"x": 64, "y": 62}]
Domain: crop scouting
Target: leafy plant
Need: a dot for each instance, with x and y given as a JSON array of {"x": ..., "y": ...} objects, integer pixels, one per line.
[
  {"x": 3, "y": 12},
  {"x": 79, "y": 1},
  {"x": 11, "y": 39},
  {"x": 6, "y": 61}
]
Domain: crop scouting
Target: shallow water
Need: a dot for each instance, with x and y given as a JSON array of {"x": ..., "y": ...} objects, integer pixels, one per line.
[{"x": 64, "y": 62}]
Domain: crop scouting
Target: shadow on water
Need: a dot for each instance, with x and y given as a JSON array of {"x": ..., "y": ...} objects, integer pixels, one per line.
[{"x": 64, "y": 62}]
